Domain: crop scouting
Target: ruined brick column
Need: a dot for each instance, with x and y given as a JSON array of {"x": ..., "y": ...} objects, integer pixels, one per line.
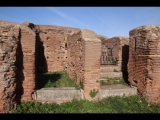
[
  {"x": 91, "y": 62},
  {"x": 28, "y": 43},
  {"x": 144, "y": 61},
  {"x": 9, "y": 34}
]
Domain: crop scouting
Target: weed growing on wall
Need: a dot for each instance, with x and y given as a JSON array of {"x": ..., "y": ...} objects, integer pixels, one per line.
[
  {"x": 110, "y": 81},
  {"x": 93, "y": 93},
  {"x": 115, "y": 70}
]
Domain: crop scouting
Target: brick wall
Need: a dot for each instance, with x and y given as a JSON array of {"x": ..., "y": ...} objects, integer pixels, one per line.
[
  {"x": 54, "y": 46},
  {"x": 9, "y": 38},
  {"x": 144, "y": 65}
]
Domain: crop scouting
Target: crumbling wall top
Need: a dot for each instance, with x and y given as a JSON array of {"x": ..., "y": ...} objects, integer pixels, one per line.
[
  {"x": 57, "y": 29},
  {"x": 6, "y": 23},
  {"x": 14, "y": 25},
  {"x": 89, "y": 35},
  {"x": 145, "y": 28},
  {"x": 102, "y": 37}
]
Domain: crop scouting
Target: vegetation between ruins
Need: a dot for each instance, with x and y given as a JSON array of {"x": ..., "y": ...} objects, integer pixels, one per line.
[
  {"x": 61, "y": 79},
  {"x": 110, "y": 81},
  {"x": 56, "y": 79},
  {"x": 131, "y": 104}
]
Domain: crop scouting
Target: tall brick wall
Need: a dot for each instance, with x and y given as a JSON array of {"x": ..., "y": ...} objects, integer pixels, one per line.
[
  {"x": 74, "y": 64},
  {"x": 144, "y": 63},
  {"x": 9, "y": 38},
  {"x": 91, "y": 47},
  {"x": 54, "y": 46}
]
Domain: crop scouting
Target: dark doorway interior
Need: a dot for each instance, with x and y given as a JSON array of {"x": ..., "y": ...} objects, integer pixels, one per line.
[{"x": 125, "y": 57}]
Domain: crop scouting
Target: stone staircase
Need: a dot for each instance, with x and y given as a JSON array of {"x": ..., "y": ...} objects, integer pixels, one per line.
[
  {"x": 117, "y": 90},
  {"x": 110, "y": 71}
]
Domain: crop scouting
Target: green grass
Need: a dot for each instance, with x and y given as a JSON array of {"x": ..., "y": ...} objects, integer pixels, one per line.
[
  {"x": 55, "y": 79},
  {"x": 131, "y": 104},
  {"x": 110, "y": 81}
]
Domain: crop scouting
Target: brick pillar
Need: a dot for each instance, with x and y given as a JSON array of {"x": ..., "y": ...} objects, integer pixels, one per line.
[
  {"x": 92, "y": 52},
  {"x": 28, "y": 43},
  {"x": 144, "y": 61}
]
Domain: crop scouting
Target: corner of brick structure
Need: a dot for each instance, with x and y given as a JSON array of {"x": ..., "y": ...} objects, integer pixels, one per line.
[
  {"x": 144, "y": 63},
  {"x": 9, "y": 39},
  {"x": 91, "y": 51},
  {"x": 28, "y": 50}
]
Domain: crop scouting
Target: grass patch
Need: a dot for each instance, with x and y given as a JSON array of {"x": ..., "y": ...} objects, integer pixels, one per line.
[
  {"x": 115, "y": 70},
  {"x": 55, "y": 79},
  {"x": 131, "y": 104},
  {"x": 111, "y": 81}
]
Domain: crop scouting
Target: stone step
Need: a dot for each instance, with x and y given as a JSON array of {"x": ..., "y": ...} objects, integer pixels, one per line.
[
  {"x": 111, "y": 75},
  {"x": 109, "y": 68},
  {"x": 58, "y": 95},
  {"x": 117, "y": 90}
]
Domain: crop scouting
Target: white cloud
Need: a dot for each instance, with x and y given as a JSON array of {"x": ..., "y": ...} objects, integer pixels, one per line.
[{"x": 67, "y": 17}]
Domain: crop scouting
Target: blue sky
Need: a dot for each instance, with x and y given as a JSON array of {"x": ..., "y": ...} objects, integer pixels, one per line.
[{"x": 107, "y": 21}]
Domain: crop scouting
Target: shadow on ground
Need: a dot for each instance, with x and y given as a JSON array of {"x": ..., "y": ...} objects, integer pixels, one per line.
[
  {"x": 125, "y": 77},
  {"x": 43, "y": 79}
]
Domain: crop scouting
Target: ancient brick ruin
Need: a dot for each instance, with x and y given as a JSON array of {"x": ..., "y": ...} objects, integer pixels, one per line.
[
  {"x": 27, "y": 49},
  {"x": 144, "y": 62}
]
